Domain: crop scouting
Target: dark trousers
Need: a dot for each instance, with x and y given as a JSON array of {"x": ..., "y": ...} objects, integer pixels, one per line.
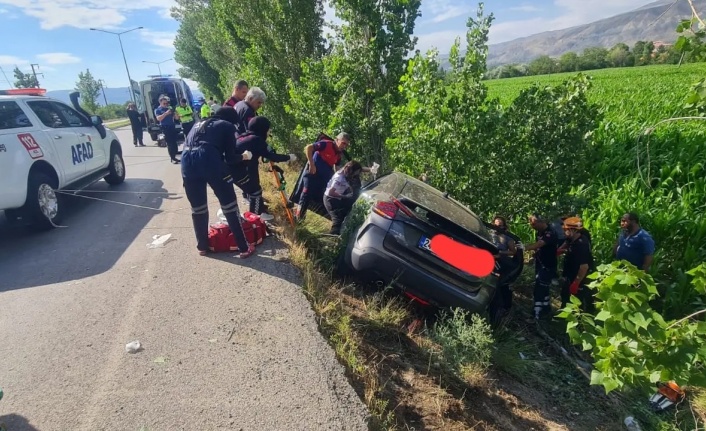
[
  {"x": 137, "y": 135},
  {"x": 542, "y": 284},
  {"x": 186, "y": 128},
  {"x": 170, "y": 135},
  {"x": 252, "y": 191},
  {"x": 313, "y": 187},
  {"x": 201, "y": 167},
  {"x": 585, "y": 295},
  {"x": 338, "y": 209}
]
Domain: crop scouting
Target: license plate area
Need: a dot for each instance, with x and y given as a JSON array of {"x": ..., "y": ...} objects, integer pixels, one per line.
[{"x": 425, "y": 243}]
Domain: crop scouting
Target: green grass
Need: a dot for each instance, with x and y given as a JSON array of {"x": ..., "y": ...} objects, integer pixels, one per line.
[
  {"x": 117, "y": 124},
  {"x": 629, "y": 95}
]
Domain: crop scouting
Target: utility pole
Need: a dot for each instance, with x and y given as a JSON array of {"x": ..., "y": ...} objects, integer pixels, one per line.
[
  {"x": 35, "y": 73},
  {"x": 129, "y": 80},
  {"x": 101, "y": 82}
]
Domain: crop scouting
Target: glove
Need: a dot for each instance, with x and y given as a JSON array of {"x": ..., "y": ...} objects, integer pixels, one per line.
[
  {"x": 292, "y": 157},
  {"x": 247, "y": 155},
  {"x": 374, "y": 169},
  {"x": 574, "y": 288}
]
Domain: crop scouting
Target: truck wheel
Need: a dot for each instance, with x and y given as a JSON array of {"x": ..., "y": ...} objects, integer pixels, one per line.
[
  {"x": 43, "y": 205},
  {"x": 117, "y": 168}
]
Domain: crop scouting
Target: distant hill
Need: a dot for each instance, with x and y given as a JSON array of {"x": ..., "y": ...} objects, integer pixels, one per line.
[
  {"x": 656, "y": 22},
  {"x": 118, "y": 95}
]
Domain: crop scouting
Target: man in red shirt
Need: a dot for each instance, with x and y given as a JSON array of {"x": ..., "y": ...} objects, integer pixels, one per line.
[
  {"x": 323, "y": 156},
  {"x": 240, "y": 89}
]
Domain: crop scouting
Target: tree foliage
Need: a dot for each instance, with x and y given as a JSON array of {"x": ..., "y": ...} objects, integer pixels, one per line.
[
  {"x": 355, "y": 86},
  {"x": 515, "y": 160},
  {"x": 25, "y": 80},
  {"x": 630, "y": 342},
  {"x": 264, "y": 42},
  {"x": 89, "y": 88}
]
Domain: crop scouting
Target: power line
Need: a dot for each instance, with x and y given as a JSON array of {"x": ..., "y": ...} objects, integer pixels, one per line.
[{"x": 8, "y": 81}]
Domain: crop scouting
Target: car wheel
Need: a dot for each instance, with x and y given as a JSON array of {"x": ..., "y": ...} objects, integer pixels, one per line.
[
  {"x": 117, "y": 168},
  {"x": 342, "y": 268},
  {"x": 43, "y": 205}
]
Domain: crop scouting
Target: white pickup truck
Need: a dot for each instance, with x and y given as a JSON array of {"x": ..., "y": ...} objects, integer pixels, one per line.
[{"x": 46, "y": 145}]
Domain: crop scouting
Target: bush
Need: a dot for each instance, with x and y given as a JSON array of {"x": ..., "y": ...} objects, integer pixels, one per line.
[
  {"x": 465, "y": 342},
  {"x": 112, "y": 111}
]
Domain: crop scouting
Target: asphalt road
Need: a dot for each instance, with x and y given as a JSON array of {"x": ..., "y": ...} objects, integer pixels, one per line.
[{"x": 71, "y": 298}]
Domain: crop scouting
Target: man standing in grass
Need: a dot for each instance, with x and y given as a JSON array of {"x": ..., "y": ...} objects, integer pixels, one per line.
[
  {"x": 634, "y": 243},
  {"x": 545, "y": 264}
]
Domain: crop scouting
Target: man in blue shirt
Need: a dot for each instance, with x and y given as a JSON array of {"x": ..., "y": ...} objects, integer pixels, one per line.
[
  {"x": 166, "y": 115},
  {"x": 634, "y": 244}
]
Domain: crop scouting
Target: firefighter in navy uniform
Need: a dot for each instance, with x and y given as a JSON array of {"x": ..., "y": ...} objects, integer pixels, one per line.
[
  {"x": 248, "y": 179},
  {"x": 545, "y": 264},
  {"x": 209, "y": 158},
  {"x": 578, "y": 263}
]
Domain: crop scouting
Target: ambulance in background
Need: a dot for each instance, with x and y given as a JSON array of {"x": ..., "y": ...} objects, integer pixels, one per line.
[{"x": 149, "y": 93}]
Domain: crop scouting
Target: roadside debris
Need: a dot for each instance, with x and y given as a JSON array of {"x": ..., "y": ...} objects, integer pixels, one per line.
[
  {"x": 631, "y": 424},
  {"x": 160, "y": 240},
  {"x": 133, "y": 347}
]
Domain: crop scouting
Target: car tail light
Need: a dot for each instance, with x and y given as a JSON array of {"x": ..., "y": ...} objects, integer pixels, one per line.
[
  {"x": 389, "y": 209},
  {"x": 385, "y": 209}
]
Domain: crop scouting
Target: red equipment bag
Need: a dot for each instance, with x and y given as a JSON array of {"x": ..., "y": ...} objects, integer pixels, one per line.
[
  {"x": 220, "y": 238},
  {"x": 254, "y": 228}
]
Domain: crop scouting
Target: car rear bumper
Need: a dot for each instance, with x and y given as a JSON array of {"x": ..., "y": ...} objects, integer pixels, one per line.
[{"x": 368, "y": 257}]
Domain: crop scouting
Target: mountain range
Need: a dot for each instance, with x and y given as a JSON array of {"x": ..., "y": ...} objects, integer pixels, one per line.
[{"x": 656, "y": 21}]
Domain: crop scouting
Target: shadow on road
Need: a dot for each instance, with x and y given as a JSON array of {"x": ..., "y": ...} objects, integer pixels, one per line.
[
  {"x": 95, "y": 237},
  {"x": 13, "y": 422}
]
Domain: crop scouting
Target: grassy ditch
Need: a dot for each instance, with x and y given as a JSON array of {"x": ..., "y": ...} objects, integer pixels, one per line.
[
  {"x": 420, "y": 370},
  {"x": 117, "y": 124}
]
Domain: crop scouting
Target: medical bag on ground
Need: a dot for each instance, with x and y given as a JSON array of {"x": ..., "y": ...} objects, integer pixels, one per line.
[
  {"x": 254, "y": 228},
  {"x": 220, "y": 238}
]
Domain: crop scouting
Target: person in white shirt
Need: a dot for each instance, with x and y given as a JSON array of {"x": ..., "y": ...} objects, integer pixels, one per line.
[{"x": 340, "y": 196}]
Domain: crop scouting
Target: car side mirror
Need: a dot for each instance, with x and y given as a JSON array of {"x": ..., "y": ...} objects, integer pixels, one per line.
[{"x": 96, "y": 120}]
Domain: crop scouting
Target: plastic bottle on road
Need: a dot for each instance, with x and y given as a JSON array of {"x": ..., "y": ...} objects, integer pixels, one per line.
[{"x": 631, "y": 424}]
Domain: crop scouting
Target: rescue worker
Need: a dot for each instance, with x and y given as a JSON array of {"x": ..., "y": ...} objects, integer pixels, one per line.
[
  {"x": 166, "y": 116},
  {"x": 205, "y": 110},
  {"x": 247, "y": 109},
  {"x": 209, "y": 158},
  {"x": 135, "y": 124},
  {"x": 240, "y": 90},
  {"x": 186, "y": 116},
  {"x": 323, "y": 156},
  {"x": 578, "y": 263},
  {"x": 502, "y": 301},
  {"x": 254, "y": 140},
  {"x": 545, "y": 264},
  {"x": 340, "y": 195},
  {"x": 634, "y": 243}
]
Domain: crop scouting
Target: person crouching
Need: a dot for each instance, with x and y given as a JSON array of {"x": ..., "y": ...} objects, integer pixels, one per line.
[
  {"x": 208, "y": 158},
  {"x": 248, "y": 180},
  {"x": 339, "y": 195}
]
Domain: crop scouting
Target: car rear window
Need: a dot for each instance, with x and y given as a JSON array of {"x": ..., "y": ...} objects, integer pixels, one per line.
[
  {"x": 12, "y": 116},
  {"x": 431, "y": 200}
]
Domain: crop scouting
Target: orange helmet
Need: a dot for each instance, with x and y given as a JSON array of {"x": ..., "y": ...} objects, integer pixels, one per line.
[{"x": 573, "y": 223}]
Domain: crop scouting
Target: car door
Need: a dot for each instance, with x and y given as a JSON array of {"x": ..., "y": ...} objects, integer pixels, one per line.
[
  {"x": 65, "y": 138},
  {"x": 92, "y": 149}
]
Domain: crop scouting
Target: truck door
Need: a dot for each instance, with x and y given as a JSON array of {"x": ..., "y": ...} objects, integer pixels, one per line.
[{"x": 64, "y": 137}]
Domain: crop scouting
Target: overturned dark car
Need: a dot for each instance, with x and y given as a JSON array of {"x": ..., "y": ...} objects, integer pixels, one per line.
[{"x": 392, "y": 246}]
